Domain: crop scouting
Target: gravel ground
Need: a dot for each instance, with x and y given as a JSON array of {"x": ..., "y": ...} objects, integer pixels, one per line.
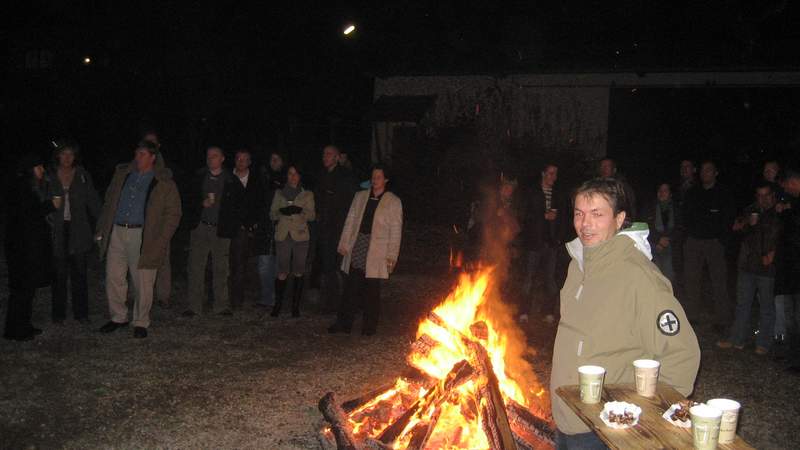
[{"x": 252, "y": 382}]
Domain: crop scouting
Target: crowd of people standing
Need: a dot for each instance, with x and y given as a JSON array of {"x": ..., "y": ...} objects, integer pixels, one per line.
[
  {"x": 238, "y": 217},
  {"x": 697, "y": 231}
]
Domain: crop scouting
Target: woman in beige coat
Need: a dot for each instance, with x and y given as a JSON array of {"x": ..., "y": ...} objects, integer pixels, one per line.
[
  {"x": 292, "y": 208},
  {"x": 369, "y": 245}
]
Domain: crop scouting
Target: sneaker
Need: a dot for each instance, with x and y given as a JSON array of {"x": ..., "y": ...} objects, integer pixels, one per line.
[
  {"x": 139, "y": 332},
  {"x": 761, "y": 351},
  {"x": 188, "y": 313}
]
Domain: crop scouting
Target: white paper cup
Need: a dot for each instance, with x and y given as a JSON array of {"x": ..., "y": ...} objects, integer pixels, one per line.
[
  {"x": 730, "y": 418},
  {"x": 591, "y": 383},
  {"x": 645, "y": 372},
  {"x": 705, "y": 426},
  {"x": 58, "y": 201}
]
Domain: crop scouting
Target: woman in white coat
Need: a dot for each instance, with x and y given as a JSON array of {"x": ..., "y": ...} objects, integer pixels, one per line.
[{"x": 369, "y": 245}]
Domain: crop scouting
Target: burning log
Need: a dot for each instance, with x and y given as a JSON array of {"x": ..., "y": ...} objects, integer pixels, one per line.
[
  {"x": 526, "y": 423},
  {"x": 460, "y": 373},
  {"x": 340, "y": 427},
  {"x": 422, "y": 432},
  {"x": 495, "y": 423}
]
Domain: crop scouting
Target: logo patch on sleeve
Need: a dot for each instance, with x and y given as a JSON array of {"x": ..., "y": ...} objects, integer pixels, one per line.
[{"x": 668, "y": 323}]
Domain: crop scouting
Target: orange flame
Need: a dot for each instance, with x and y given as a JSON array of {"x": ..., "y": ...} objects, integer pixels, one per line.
[{"x": 459, "y": 423}]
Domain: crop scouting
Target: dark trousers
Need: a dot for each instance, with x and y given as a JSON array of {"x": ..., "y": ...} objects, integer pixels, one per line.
[
  {"x": 711, "y": 252},
  {"x": 361, "y": 291},
  {"x": 331, "y": 283},
  {"x": 70, "y": 269},
  {"x": 20, "y": 310},
  {"x": 239, "y": 252},
  {"x": 540, "y": 272}
]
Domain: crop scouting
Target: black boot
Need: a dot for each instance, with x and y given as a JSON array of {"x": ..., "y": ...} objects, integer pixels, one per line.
[
  {"x": 280, "y": 286},
  {"x": 297, "y": 295}
]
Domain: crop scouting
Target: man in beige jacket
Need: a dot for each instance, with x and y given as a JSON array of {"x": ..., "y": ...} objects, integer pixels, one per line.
[{"x": 616, "y": 307}]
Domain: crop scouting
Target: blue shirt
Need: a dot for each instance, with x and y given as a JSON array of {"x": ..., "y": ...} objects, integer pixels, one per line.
[{"x": 130, "y": 209}]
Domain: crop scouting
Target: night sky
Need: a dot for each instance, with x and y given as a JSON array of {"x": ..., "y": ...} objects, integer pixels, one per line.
[{"x": 255, "y": 75}]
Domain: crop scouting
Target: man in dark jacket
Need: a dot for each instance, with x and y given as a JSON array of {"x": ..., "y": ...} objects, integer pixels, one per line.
[
  {"x": 708, "y": 215},
  {"x": 335, "y": 190},
  {"x": 761, "y": 228},
  {"x": 141, "y": 212},
  {"x": 541, "y": 237},
  {"x": 247, "y": 211},
  {"x": 787, "y": 278},
  {"x": 210, "y": 201}
]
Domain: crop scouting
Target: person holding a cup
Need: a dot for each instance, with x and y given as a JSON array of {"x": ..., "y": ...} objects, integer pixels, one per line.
[
  {"x": 213, "y": 224},
  {"x": 77, "y": 208},
  {"x": 761, "y": 229},
  {"x": 616, "y": 308}
]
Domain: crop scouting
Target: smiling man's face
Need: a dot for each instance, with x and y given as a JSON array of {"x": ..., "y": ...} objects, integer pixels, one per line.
[{"x": 594, "y": 219}]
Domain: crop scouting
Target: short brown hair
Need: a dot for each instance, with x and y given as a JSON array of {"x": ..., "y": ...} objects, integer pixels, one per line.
[{"x": 610, "y": 189}]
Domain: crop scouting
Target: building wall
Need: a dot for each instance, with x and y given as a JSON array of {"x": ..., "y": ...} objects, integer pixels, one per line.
[{"x": 514, "y": 111}]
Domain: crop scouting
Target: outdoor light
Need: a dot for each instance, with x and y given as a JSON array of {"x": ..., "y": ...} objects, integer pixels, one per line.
[
  {"x": 349, "y": 30},
  {"x": 87, "y": 60}
]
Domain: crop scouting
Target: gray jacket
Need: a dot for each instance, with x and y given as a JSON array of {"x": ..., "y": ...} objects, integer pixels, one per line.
[{"x": 85, "y": 208}]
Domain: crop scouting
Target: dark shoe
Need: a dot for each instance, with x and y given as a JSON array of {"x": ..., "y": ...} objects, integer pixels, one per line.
[
  {"x": 794, "y": 370},
  {"x": 338, "y": 328},
  {"x": 368, "y": 332},
  {"x": 280, "y": 286},
  {"x": 112, "y": 326},
  {"x": 35, "y": 331},
  {"x": 163, "y": 304},
  {"x": 58, "y": 321},
  {"x": 139, "y": 332},
  {"x": 226, "y": 312},
  {"x": 84, "y": 321},
  {"x": 719, "y": 329},
  {"x": 297, "y": 295},
  {"x": 188, "y": 313}
]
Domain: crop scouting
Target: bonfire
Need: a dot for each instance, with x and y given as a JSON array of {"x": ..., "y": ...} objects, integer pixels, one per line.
[{"x": 467, "y": 385}]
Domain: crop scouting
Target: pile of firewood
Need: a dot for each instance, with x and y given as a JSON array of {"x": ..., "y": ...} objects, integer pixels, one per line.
[{"x": 507, "y": 425}]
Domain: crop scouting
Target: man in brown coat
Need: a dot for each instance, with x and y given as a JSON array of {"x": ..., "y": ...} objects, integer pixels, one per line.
[{"x": 141, "y": 212}]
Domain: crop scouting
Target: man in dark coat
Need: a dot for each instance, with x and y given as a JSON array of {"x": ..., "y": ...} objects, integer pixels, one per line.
[
  {"x": 708, "y": 214},
  {"x": 541, "y": 237},
  {"x": 28, "y": 245},
  {"x": 787, "y": 278},
  {"x": 247, "y": 211},
  {"x": 335, "y": 190}
]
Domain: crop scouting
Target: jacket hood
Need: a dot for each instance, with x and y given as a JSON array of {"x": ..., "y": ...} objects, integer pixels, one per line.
[{"x": 637, "y": 232}]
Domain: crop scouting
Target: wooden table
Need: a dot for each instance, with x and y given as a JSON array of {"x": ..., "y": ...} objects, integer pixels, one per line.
[{"x": 652, "y": 431}]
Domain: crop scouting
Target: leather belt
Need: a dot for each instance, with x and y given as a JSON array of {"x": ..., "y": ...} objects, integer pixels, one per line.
[{"x": 128, "y": 225}]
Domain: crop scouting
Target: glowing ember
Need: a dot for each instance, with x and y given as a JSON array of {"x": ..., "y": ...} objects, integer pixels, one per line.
[{"x": 465, "y": 340}]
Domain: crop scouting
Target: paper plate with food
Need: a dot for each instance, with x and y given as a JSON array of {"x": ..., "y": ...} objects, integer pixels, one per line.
[
  {"x": 620, "y": 415},
  {"x": 678, "y": 414}
]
